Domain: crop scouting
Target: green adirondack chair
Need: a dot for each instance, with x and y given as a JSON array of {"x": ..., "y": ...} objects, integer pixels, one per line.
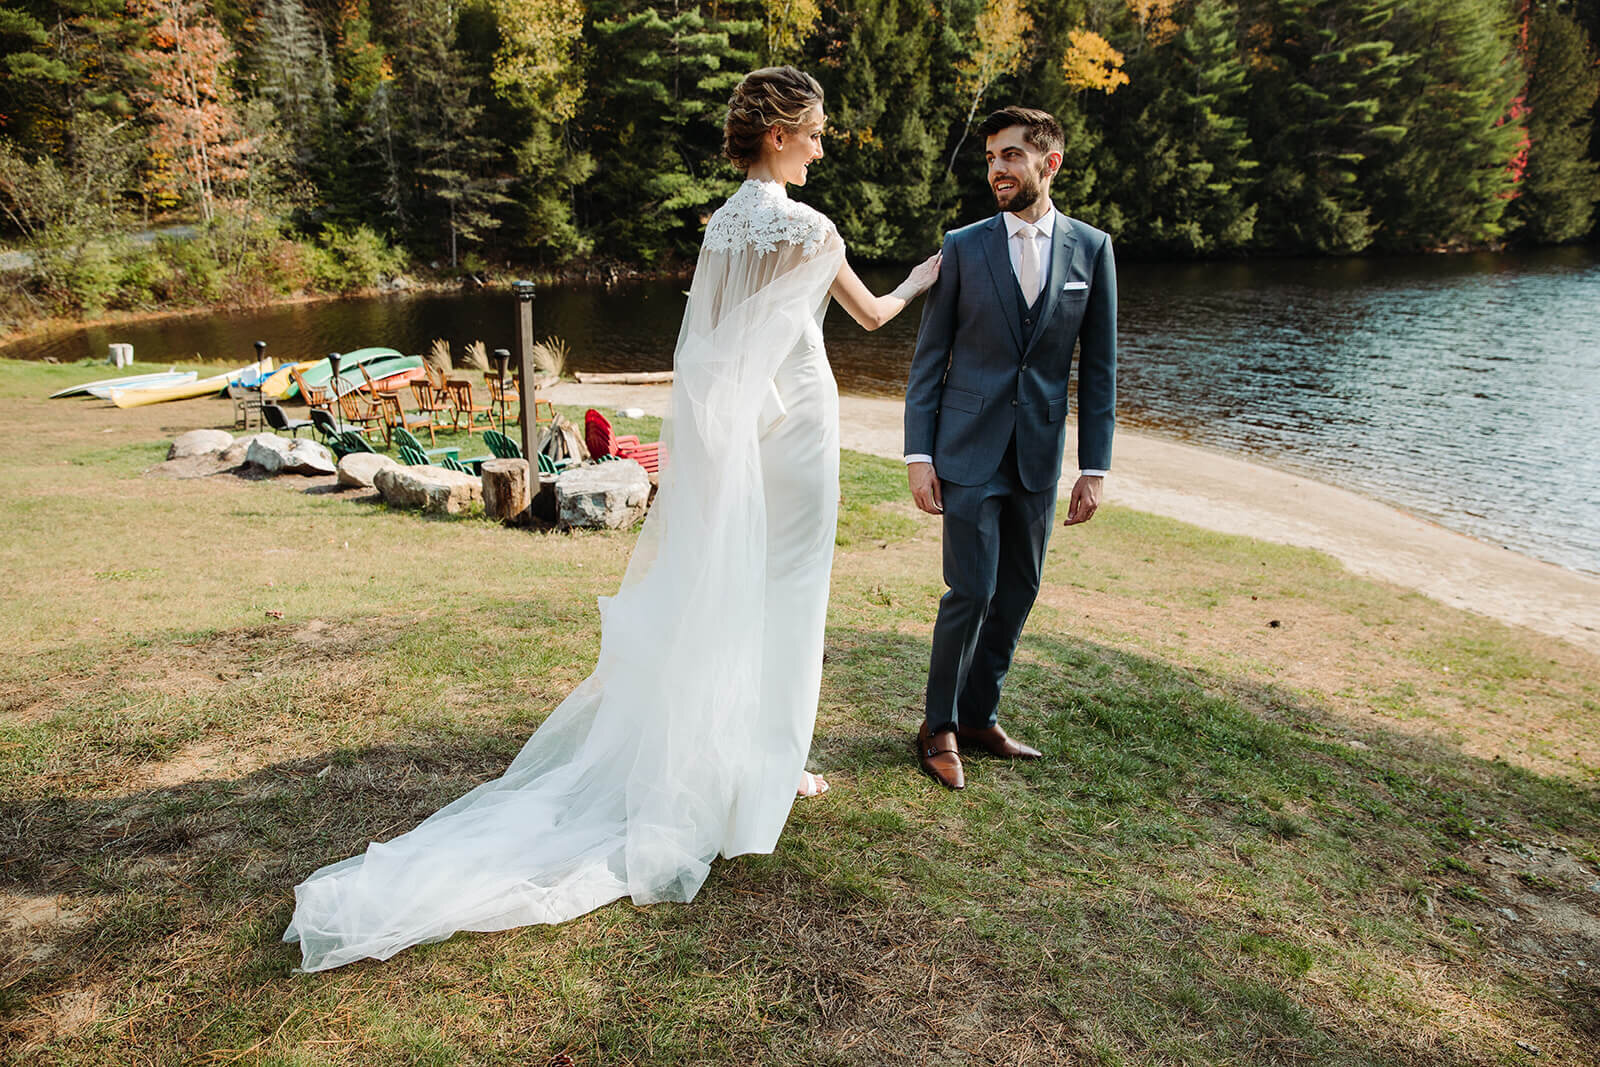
[
  {"x": 502, "y": 446},
  {"x": 404, "y": 437},
  {"x": 347, "y": 441}
]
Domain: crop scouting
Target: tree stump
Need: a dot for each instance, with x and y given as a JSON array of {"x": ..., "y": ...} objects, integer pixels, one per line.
[{"x": 505, "y": 490}]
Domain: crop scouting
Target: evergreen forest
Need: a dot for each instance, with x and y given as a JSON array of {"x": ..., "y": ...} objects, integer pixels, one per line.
[{"x": 324, "y": 144}]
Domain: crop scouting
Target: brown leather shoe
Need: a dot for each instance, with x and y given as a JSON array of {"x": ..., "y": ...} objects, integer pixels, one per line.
[
  {"x": 940, "y": 758},
  {"x": 995, "y": 741}
]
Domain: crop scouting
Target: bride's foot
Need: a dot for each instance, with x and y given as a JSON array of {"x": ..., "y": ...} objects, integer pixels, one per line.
[{"x": 811, "y": 785}]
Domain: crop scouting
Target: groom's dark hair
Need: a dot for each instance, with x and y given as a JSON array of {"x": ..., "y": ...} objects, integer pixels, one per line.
[{"x": 1040, "y": 128}]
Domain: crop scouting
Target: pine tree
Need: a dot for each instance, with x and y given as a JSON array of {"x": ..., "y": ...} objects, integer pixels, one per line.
[
  {"x": 884, "y": 180},
  {"x": 60, "y": 59},
  {"x": 1184, "y": 163},
  {"x": 1561, "y": 184},
  {"x": 659, "y": 80},
  {"x": 291, "y": 68},
  {"x": 364, "y": 182},
  {"x": 1446, "y": 184},
  {"x": 1324, "y": 102},
  {"x": 539, "y": 83},
  {"x": 455, "y": 182}
]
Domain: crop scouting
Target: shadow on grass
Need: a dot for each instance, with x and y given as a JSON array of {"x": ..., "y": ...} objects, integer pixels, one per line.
[{"x": 1200, "y": 869}]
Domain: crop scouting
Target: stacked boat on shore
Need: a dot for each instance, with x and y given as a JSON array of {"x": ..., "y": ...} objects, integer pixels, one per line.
[{"x": 387, "y": 369}]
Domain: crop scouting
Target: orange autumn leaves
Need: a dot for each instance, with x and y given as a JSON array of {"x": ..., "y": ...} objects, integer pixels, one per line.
[
  {"x": 1091, "y": 62},
  {"x": 199, "y": 145}
]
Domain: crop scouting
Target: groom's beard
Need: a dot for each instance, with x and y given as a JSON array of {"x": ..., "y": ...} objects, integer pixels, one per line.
[{"x": 1024, "y": 195}]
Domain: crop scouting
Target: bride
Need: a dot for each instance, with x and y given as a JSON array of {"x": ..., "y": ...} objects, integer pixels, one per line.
[{"x": 691, "y": 735}]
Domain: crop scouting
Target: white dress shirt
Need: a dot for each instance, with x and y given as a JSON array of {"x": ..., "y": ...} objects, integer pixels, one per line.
[{"x": 1045, "y": 233}]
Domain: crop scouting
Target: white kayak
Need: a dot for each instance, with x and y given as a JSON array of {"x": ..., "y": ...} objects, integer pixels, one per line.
[
  {"x": 156, "y": 381},
  {"x": 132, "y": 381},
  {"x": 160, "y": 394}
]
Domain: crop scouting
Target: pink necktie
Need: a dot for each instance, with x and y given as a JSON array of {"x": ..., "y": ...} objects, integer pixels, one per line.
[{"x": 1028, "y": 264}]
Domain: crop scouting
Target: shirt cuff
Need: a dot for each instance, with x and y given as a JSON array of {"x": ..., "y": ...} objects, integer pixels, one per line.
[
  {"x": 1092, "y": 474},
  {"x": 918, "y": 457}
]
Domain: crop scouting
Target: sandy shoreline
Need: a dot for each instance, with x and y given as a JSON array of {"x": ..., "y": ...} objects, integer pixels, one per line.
[{"x": 1238, "y": 496}]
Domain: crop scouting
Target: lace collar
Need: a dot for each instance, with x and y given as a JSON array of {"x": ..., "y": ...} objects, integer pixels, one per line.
[
  {"x": 760, "y": 215},
  {"x": 766, "y": 187}
]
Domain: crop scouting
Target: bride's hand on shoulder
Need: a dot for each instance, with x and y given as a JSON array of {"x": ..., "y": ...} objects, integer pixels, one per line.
[{"x": 924, "y": 274}]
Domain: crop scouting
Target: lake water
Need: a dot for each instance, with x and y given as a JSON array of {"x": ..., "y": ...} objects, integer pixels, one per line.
[{"x": 1462, "y": 388}]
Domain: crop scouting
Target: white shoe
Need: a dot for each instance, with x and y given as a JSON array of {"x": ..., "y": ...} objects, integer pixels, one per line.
[{"x": 812, "y": 785}]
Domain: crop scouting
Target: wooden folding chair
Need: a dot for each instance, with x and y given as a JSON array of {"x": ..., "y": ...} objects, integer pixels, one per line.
[
  {"x": 363, "y": 415},
  {"x": 431, "y": 400},
  {"x": 464, "y": 406},
  {"x": 395, "y": 417},
  {"x": 316, "y": 397},
  {"x": 502, "y": 396}
]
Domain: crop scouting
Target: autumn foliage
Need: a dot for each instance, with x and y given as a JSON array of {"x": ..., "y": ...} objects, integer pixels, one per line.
[
  {"x": 196, "y": 141},
  {"x": 1091, "y": 63}
]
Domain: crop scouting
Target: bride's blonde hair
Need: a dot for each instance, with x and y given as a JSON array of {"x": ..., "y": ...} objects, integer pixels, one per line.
[{"x": 771, "y": 96}]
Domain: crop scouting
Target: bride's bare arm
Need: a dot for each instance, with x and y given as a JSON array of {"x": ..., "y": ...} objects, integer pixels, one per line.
[{"x": 873, "y": 311}]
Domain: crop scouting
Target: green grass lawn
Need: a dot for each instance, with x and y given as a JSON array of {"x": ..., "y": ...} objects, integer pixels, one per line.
[{"x": 1285, "y": 815}]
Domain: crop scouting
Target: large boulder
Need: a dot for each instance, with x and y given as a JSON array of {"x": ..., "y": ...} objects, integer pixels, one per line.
[
  {"x": 199, "y": 443},
  {"x": 239, "y": 451},
  {"x": 311, "y": 457},
  {"x": 276, "y": 455},
  {"x": 357, "y": 469},
  {"x": 428, "y": 488},
  {"x": 610, "y": 495}
]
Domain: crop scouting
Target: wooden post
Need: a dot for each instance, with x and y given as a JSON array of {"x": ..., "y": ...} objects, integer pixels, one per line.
[{"x": 525, "y": 292}]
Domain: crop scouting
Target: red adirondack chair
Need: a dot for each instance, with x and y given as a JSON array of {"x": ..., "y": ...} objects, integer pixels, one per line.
[{"x": 603, "y": 441}]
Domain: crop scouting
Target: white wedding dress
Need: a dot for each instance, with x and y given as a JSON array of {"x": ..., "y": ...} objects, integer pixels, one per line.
[{"x": 690, "y": 737}]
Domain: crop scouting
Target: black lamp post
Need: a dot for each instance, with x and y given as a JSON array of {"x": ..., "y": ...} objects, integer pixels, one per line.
[
  {"x": 525, "y": 292},
  {"x": 333, "y": 388},
  {"x": 501, "y": 357},
  {"x": 261, "y": 381}
]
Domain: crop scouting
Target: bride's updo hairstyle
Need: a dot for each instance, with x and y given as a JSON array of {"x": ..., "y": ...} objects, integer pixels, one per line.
[{"x": 771, "y": 96}]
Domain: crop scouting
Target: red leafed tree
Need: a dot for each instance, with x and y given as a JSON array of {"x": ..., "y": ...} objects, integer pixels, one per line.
[{"x": 196, "y": 140}]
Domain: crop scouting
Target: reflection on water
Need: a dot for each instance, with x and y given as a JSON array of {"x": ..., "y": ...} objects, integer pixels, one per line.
[{"x": 1466, "y": 388}]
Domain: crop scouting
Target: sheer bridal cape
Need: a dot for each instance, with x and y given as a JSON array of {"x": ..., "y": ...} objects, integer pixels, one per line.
[{"x": 675, "y": 749}]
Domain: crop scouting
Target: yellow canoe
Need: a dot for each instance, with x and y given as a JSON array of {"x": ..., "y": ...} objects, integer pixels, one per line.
[
  {"x": 279, "y": 382},
  {"x": 134, "y": 398}
]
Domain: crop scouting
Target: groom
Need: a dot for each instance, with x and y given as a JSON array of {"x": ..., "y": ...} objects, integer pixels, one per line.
[{"x": 986, "y": 411}]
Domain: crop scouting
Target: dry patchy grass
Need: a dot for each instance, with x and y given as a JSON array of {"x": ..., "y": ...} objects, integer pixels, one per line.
[{"x": 1307, "y": 842}]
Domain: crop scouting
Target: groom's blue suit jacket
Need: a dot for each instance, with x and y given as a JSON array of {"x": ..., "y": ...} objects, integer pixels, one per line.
[{"x": 978, "y": 376}]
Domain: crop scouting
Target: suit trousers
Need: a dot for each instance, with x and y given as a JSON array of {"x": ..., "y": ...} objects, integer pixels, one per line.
[{"x": 995, "y": 536}]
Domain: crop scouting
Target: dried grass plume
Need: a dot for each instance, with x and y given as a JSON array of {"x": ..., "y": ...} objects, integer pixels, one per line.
[
  {"x": 438, "y": 356},
  {"x": 550, "y": 358}
]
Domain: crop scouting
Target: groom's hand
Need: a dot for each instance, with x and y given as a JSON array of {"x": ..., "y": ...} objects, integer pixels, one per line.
[
  {"x": 925, "y": 487},
  {"x": 1085, "y": 499}
]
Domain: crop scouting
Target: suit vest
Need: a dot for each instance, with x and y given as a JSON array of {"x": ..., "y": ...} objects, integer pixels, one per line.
[{"x": 1028, "y": 317}]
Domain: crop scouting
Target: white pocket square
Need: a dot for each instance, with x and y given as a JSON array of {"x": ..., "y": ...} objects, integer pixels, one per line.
[{"x": 1075, "y": 285}]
